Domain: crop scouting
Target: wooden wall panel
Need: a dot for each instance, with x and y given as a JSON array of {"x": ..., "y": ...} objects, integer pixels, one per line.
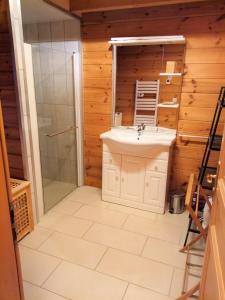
[
  {"x": 84, "y": 6},
  {"x": 203, "y": 25},
  {"x": 187, "y": 10},
  {"x": 8, "y": 95}
]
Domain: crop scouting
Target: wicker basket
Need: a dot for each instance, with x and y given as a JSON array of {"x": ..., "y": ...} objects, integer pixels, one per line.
[{"x": 21, "y": 202}]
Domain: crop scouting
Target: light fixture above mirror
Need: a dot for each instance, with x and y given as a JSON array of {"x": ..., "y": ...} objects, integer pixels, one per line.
[{"x": 147, "y": 40}]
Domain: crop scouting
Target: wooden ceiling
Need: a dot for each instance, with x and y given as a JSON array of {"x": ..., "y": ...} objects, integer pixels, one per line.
[{"x": 78, "y": 7}]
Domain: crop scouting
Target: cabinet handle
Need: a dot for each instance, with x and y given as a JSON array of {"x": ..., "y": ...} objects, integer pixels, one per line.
[
  {"x": 122, "y": 179},
  {"x": 110, "y": 161},
  {"x": 147, "y": 184},
  {"x": 117, "y": 178},
  {"x": 156, "y": 168}
]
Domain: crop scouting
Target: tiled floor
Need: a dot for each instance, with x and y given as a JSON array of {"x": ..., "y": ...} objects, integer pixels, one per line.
[{"x": 86, "y": 249}]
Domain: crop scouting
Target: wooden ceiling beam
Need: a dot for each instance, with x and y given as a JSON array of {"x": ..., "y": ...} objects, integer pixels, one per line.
[
  {"x": 63, "y": 5},
  {"x": 84, "y": 6}
]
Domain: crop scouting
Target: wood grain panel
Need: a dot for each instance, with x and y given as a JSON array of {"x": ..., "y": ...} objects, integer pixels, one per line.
[
  {"x": 202, "y": 85},
  {"x": 203, "y": 25},
  {"x": 98, "y": 58},
  {"x": 194, "y": 150},
  {"x": 205, "y": 40},
  {"x": 208, "y": 56},
  {"x": 95, "y": 45},
  {"x": 95, "y": 107},
  {"x": 81, "y": 6},
  {"x": 8, "y": 96},
  {"x": 167, "y": 118},
  {"x": 187, "y": 10},
  {"x": 199, "y": 100},
  {"x": 196, "y": 127},
  {"x": 97, "y": 71},
  {"x": 176, "y": 25},
  {"x": 200, "y": 114},
  {"x": 205, "y": 70},
  {"x": 97, "y": 83}
]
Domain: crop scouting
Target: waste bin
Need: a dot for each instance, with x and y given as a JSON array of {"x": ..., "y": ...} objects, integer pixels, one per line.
[{"x": 176, "y": 205}]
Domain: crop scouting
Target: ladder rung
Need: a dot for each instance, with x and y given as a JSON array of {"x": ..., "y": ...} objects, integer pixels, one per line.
[
  {"x": 146, "y": 104},
  {"x": 145, "y": 116},
  {"x": 142, "y": 91},
  {"x": 147, "y": 82},
  {"x": 146, "y": 108},
  {"x": 147, "y": 92},
  {"x": 147, "y": 99}
]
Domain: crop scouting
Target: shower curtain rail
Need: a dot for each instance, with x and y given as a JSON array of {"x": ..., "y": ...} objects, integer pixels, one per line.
[{"x": 60, "y": 132}]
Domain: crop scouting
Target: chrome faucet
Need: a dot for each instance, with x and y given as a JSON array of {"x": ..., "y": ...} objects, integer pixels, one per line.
[{"x": 140, "y": 128}]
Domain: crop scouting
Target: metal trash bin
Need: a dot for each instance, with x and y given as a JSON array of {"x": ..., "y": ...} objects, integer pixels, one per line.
[{"x": 176, "y": 205}]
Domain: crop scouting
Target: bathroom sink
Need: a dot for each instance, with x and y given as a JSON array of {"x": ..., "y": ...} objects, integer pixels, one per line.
[{"x": 151, "y": 136}]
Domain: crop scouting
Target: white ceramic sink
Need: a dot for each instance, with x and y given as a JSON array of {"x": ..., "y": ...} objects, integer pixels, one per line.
[{"x": 151, "y": 136}]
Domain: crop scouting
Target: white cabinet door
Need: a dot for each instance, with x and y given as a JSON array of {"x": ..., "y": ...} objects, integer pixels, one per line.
[
  {"x": 155, "y": 189},
  {"x": 111, "y": 174},
  {"x": 132, "y": 178}
]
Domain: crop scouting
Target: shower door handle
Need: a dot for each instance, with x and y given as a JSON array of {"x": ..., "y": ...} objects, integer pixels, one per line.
[{"x": 61, "y": 132}]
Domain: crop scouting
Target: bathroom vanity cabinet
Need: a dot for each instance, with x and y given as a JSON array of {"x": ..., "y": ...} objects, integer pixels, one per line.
[{"x": 138, "y": 180}]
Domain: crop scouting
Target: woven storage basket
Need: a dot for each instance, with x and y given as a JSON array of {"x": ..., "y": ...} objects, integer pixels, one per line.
[{"x": 21, "y": 203}]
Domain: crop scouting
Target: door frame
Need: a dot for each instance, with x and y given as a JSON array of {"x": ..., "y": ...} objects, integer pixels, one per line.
[
  {"x": 36, "y": 176},
  {"x": 35, "y": 158},
  {"x": 28, "y": 146},
  {"x": 77, "y": 67}
]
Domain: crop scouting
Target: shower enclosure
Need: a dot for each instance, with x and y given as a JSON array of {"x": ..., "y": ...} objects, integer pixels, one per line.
[{"x": 53, "y": 69}]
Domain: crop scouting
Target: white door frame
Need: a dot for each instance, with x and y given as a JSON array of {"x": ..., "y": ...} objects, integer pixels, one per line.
[
  {"x": 114, "y": 78},
  {"x": 77, "y": 77},
  {"x": 34, "y": 141}
]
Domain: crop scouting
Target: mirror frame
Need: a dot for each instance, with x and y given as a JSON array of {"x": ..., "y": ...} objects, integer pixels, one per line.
[{"x": 136, "y": 41}]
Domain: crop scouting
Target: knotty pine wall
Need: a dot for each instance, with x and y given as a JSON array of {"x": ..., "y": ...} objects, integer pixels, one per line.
[
  {"x": 146, "y": 63},
  {"x": 8, "y": 95},
  {"x": 203, "y": 25}
]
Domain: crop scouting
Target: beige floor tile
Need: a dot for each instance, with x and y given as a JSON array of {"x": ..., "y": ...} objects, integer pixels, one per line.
[
  {"x": 177, "y": 283},
  {"x": 67, "y": 207},
  {"x": 50, "y": 219},
  {"x": 164, "y": 252},
  {"x": 137, "y": 293},
  {"x": 137, "y": 270},
  {"x": 88, "y": 195},
  {"x": 79, "y": 283},
  {"x": 65, "y": 224},
  {"x": 33, "y": 292},
  {"x": 101, "y": 215},
  {"x": 36, "y": 267},
  {"x": 176, "y": 219},
  {"x": 132, "y": 211},
  {"x": 164, "y": 231},
  {"x": 36, "y": 238},
  {"x": 116, "y": 238},
  {"x": 73, "y": 250}
]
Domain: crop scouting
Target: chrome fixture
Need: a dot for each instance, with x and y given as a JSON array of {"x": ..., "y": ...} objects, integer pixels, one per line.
[
  {"x": 140, "y": 128},
  {"x": 60, "y": 132}
]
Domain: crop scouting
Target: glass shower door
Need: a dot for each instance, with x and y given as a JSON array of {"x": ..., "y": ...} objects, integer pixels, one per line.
[
  {"x": 54, "y": 89},
  {"x": 61, "y": 166}
]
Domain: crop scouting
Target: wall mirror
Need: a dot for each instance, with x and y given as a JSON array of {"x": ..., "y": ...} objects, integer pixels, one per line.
[{"x": 147, "y": 80}]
